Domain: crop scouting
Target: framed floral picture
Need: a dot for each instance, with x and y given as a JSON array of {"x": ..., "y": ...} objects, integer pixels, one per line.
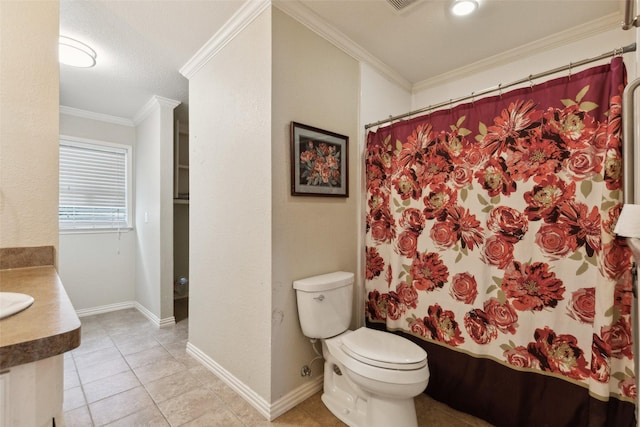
[{"x": 319, "y": 162}]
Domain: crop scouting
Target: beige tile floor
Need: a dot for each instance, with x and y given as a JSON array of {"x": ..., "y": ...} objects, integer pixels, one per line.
[{"x": 128, "y": 373}]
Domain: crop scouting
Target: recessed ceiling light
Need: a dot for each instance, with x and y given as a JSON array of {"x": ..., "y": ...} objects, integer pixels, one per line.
[
  {"x": 75, "y": 53},
  {"x": 463, "y": 7}
]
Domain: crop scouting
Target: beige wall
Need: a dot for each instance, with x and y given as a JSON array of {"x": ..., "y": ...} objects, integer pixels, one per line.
[
  {"x": 249, "y": 238},
  {"x": 29, "y": 74},
  {"x": 317, "y": 84},
  {"x": 230, "y": 207}
]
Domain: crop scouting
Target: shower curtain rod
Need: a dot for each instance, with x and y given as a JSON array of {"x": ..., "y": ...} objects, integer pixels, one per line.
[
  {"x": 629, "y": 20},
  {"x": 620, "y": 51}
]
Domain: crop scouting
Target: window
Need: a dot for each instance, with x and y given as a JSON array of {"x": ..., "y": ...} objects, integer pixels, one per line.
[{"x": 95, "y": 185}]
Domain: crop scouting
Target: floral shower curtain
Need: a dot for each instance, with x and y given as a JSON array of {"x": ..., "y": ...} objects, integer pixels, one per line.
[{"x": 490, "y": 243}]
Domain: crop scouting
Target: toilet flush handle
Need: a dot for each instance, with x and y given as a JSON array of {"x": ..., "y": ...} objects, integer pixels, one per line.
[{"x": 319, "y": 298}]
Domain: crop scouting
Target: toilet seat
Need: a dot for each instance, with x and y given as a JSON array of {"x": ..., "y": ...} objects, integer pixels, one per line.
[
  {"x": 370, "y": 368},
  {"x": 384, "y": 350}
]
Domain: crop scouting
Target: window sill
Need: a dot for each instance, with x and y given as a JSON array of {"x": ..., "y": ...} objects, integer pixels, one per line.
[{"x": 94, "y": 230}]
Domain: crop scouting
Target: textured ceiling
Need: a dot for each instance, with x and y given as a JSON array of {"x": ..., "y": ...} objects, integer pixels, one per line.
[
  {"x": 141, "y": 45},
  {"x": 428, "y": 41}
]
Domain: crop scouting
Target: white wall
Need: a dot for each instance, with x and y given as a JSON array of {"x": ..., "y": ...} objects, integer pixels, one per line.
[
  {"x": 153, "y": 173},
  {"x": 98, "y": 269},
  {"x": 103, "y": 271},
  {"x": 317, "y": 84},
  {"x": 29, "y": 96},
  {"x": 230, "y": 207},
  {"x": 379, "y": 97}
]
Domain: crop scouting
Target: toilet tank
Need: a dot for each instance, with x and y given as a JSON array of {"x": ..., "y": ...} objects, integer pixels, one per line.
[{"x": 325, "y": 304}]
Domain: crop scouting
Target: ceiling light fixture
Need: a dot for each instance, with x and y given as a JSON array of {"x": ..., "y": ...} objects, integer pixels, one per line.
[
  {"x": 463, "y": 7},
  {"x": 75, "y": 53}
]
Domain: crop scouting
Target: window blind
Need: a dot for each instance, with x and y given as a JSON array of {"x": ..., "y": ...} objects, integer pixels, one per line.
[{"x": 93, "y": 186}]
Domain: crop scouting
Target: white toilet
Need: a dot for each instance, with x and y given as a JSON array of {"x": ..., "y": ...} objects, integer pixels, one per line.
[{"x": 370, "y": 377}]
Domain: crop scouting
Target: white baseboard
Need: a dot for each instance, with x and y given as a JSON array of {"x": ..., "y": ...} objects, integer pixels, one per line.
[
  {"x": 160, "y": 323},
  {"x": 105, "y": 308},
  {"x": 296, "y": 396},
  {"x": 270, "y": 411}
]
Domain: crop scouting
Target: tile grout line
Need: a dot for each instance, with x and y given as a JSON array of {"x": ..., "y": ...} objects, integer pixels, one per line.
[
  {"x": 130, "y": 369},
  {"x": 164, "y": 416},
  {"x": 84, "y": 396},
  {"x": 133, "y": 372}
]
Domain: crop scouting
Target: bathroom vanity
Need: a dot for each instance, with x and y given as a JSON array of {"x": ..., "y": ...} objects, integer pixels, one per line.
[{"x": 32, "y": 347}]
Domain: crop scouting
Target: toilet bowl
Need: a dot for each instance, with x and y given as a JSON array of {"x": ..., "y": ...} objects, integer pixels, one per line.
[
  {"x": 370, "y": 376},
  {"x": 378, "y": 374}
]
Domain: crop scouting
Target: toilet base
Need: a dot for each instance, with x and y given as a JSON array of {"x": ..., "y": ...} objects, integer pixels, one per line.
[
  {"x": 386, "y": 412},
  {"x": 374, "y": 413},
  {"x": 358, "y": 408},
  {"x": 349, "y": 414}
]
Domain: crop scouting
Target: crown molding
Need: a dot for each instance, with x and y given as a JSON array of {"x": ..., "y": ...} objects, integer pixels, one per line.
[
  {"x": 585, "y": 30},
  {"x": 298, "y": 11},
  {"x": 311, "y": 20},
  {"x": 149, "y": 107},
  {"x": 70, "y": 111},
  {"x": 249, "y": 11}
]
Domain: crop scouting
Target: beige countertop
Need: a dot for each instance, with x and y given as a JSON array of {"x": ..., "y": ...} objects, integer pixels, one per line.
[{"x": 48, "y": 328}]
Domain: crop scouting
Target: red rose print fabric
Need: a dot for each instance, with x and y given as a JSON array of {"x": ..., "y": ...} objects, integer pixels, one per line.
[{"x": 489, "y": 230}]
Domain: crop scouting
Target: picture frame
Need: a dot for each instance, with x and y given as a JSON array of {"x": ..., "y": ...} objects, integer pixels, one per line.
[{"x": 319, "y": 162}]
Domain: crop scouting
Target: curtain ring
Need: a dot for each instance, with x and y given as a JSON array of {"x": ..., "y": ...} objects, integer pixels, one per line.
[
  {"x": 531, "y": 81},
  {"x": 500, "y": 90},
  {"x": 570, "y": 69},
  {"x": 450, "y": 104},
  {"x": 473, "y": 99}
]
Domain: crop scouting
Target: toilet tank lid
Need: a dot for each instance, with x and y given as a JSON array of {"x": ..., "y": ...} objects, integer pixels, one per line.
[{"x": 324, "y": 282}]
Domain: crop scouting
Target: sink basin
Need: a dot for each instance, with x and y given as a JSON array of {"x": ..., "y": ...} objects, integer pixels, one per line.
[{"x": 13, "y": 302}]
